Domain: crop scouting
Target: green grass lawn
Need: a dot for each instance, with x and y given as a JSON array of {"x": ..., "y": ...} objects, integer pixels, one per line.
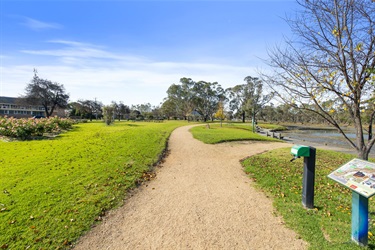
[
  {"x": 328, "y": 226},
  {"x": 52, "y": 191},
  {"x": 231, "y": 132},
  {"x": 275, "y": 127}
]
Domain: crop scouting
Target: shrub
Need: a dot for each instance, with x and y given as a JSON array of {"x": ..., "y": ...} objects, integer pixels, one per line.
[
  {"x": 26, "y": 128},
  {"x": 108, "y": 114}
]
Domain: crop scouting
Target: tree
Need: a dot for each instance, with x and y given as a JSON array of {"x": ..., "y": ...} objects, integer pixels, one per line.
[
  {"x": 109, "y": 114},
  {"x": 248, "y": 98},
  {"x": 206, "y": 97},
  {"x": 268, "y": 113},
  {"x": 124, "y": 110},
  {"x": 75, "y": 109},
  {"x": 143, "y": 108},
  {"x": 46, "y": 93},
  {"x": 220, "y": 114},
  {"x": 88, "y": 108},
  {"x": 181, "y": 97},
  {"x": 169, "y": 109},
  {"x": 329, "y": 68},
  {"x": 237, "y": 96},
  {"x": 157, "y": 113},
  {"x": 121, "y": 110}
]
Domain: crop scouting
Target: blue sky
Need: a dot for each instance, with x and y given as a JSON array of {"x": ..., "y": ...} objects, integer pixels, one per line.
[{"x": 132, "y": 51}]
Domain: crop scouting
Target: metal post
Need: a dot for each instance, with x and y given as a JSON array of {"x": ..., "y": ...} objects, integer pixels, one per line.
[
  {"x": 253, "y": 122},
  {"x": 359, "y": 219},
  {"x": 308, "y": 179}
]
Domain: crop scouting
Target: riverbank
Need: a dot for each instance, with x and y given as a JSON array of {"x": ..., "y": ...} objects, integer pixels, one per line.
[
  {"x": 325, "y": 145},
  {"x": 321, "y": 137}
]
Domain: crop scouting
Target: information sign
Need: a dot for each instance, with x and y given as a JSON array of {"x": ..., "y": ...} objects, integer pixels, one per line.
[{"x": 358, "y": 175}]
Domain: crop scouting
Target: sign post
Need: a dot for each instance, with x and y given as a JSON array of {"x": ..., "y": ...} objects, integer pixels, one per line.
[
  {"x": 359, "y": 219},
  {"x": 359, "y": 176},
  {"x": 309, "y": 155}
]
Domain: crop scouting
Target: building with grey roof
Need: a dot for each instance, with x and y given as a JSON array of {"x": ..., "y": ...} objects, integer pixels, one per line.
[{"x": 13, "y": 107}]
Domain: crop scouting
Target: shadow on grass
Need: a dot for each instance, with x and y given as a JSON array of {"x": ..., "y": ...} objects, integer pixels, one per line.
[{"x": 132, "y": 125}]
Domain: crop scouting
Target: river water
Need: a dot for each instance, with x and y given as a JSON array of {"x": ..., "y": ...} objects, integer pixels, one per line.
[{"x": 327, "y": 138}]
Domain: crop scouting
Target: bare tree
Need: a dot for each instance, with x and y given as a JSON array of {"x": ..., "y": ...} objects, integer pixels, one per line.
[{"x": 329, "y": 66}]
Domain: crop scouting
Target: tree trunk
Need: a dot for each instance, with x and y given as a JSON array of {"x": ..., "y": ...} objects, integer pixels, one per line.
[
  {"x": 46, "y": 111},
  {"x": 370, "y": 126},
  {"x": 243, "y": 116},
  {"x": 370, "y": 131},
  {"x": 361, "y": 147},
  {"x": 363, "y": 154}
]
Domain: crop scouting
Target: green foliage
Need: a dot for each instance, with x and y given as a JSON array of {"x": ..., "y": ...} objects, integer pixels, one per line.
[
  {"x": 248, "y": 99},
  {"x": 25, "y": 128},
  {"x": 220, "y": 113},
  {"x": 199, "y": 97},
  {"x": 328, "y": 226},
  {"x": 108, "y": 114},
  {"x": 46, "y": 93},
  {"x": 52, "y": 191},
  {"x": 232, "y": 132}
]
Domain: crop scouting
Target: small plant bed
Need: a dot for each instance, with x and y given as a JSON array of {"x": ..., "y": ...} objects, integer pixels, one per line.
[
  {"x": 328, "y": 226},
  {"x": 52, "y": 191},
  {"x": 216, "y": 134},
  {"x": 29, "y": 128}
]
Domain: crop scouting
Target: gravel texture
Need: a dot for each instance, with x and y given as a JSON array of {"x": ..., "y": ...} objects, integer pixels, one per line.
[{"x": 200, "y": 199}]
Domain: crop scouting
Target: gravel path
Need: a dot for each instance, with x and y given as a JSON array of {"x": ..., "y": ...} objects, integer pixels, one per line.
[{"x": 200, "y": 199}]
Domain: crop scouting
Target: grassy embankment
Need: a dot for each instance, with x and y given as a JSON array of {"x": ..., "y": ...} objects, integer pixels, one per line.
[
  {"x": 51, "y": 191},
  {"x": 228, "y": 132},
  {"x": 272, "y": 126},
  {"x": 328, "y": 226}
]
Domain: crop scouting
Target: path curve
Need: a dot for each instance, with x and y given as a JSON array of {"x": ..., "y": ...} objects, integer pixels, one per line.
[{"x": 201, "y": 199}]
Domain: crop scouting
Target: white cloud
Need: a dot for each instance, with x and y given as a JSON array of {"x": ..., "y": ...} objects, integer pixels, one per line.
[
  {"x": 72, "y": 50},
  {"x": 39, "y": 25},
  {"x": 89, "y": 71},
  {"x": 146, "y": 83}
]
